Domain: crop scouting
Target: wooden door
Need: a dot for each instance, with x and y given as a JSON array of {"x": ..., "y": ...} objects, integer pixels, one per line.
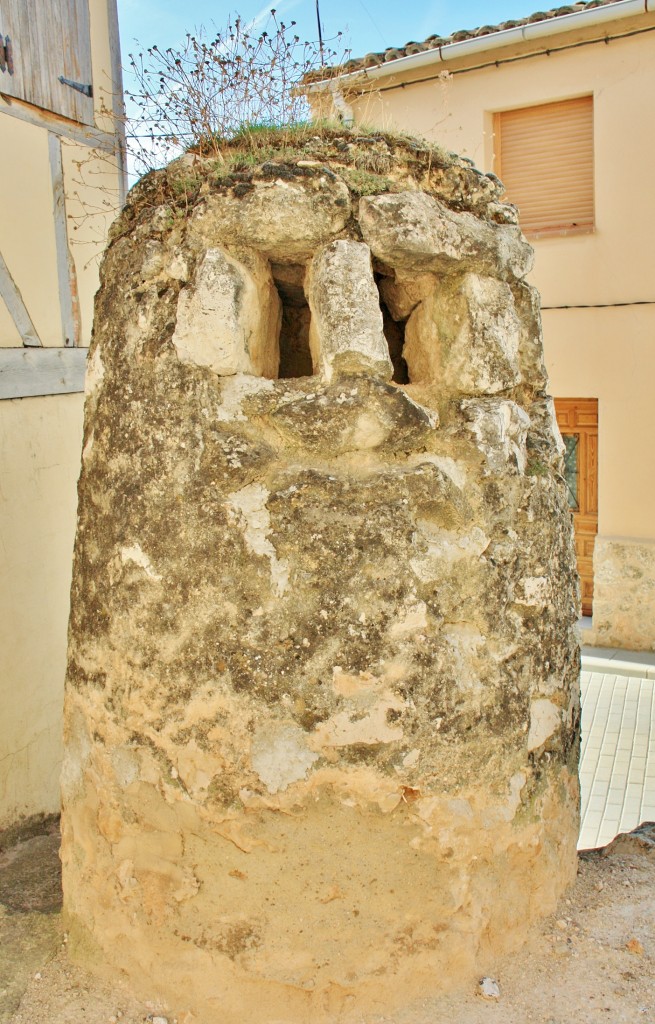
[
  {"x": 43, "y": 42},
  {"x": 578, "y": 422}
]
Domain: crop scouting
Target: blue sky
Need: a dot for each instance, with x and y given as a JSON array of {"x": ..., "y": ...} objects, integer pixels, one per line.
[{"x": 367, "y": 24}]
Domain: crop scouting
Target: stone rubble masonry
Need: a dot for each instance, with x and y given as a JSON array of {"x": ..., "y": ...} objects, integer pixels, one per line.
[
  {"x": 285, "y": 222},
  {"x": 466, "y": 336},
  {"x": 322, "y": 697},
  {"x": 228, "y": 317},
  {"x": 415, "y": 232},
  {"x": 346, "y": 322},
  {"x": 624, "y": 593}
]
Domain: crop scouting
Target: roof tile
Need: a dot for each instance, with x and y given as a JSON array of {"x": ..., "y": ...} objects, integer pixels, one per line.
[{"x": 433, "y": 42}]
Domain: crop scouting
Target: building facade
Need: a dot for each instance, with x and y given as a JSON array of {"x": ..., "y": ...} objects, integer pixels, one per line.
[
  {"x": 62, "y": 180},
  {"x": 558, "y": 105}
]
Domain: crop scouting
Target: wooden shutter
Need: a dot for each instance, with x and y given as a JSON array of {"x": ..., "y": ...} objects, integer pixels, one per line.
[
  {"x": 545, "y": 157},
  {"x": 48, "y": 40}
]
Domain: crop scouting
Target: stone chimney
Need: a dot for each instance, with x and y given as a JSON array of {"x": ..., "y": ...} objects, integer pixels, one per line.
[{"x": 322, "y": 699}]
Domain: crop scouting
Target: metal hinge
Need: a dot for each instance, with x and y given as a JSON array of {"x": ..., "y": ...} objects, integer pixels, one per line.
[
  {"x": 6, "y": 55},
  {"x": 86, "y": 90}
]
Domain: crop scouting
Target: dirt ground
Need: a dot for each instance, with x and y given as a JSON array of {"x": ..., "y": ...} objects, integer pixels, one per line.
[{"x": 592, "y": 961}]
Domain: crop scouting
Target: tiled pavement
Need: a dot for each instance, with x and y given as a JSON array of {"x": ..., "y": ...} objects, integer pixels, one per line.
[{"x": 617, "y": 762}]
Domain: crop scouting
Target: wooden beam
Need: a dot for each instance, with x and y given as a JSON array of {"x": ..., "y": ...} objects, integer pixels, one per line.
[
  {"x": 66, "y": 275},
  {"x": 10, "y": 292},
  {"x": 86, "y": 136},
  {"x": 32, "y": 372},
  {"x": 118, "y": 105}
]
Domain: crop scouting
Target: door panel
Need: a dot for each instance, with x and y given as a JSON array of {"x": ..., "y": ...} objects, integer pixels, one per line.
[
  {"x": 48, "y": 39},
  {"x": 578, "y": 422},
  {"x": 591, "y": 496}
]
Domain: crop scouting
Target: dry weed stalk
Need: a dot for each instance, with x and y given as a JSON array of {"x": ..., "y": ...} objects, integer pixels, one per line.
[{"x": 205, "y": 92}]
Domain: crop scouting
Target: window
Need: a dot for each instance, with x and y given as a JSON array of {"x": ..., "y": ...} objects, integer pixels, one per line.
[{"x": 545, "y": 157}]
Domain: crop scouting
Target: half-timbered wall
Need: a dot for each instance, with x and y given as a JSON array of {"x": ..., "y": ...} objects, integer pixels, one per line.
[{"x": 62, "y": 181}]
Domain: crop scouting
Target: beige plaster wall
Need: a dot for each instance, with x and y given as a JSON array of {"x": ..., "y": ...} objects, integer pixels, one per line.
[
  {"x": 40, "y": 438},
  {"x": 596, "y": 353},
  {"x": 609, "y": 354},
  {"x": 27, "y": 231},
  {"x": 458, "y": 113},
  {"x": 40, "y": 442},
  {"x": 105, "y": 92},
  {"x": 91, "y": 204}
]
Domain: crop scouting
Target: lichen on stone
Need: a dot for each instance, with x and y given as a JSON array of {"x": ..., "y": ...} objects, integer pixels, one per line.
[{"x": 322, "y": 703}]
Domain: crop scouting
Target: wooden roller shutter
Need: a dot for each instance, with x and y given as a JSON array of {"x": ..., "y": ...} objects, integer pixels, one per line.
[{"x": 545, "y": 157}]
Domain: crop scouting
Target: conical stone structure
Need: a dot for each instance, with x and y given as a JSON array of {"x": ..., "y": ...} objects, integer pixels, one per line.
[{"x": 322, "y": 698}]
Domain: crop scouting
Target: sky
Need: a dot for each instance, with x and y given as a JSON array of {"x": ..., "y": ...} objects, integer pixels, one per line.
[{"x": 367, "y": 25}]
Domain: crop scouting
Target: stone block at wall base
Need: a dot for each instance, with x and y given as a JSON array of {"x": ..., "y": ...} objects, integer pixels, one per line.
[{"x": 624, "y": 594}]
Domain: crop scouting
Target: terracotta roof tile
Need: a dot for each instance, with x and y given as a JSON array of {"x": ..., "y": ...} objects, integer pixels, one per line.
[{"x": 371, "y": 60}]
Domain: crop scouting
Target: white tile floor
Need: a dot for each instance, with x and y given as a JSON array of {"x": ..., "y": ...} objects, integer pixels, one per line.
[{"x": 617, "y": 760}]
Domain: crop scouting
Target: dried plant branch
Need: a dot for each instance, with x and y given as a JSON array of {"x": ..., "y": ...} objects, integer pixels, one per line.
[{"x": 205, "y": 92}]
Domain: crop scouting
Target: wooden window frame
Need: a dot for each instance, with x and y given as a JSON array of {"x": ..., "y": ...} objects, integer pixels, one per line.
[
  {"x": 580, "y": 417},
  {"x": 576, "y": 149}
]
